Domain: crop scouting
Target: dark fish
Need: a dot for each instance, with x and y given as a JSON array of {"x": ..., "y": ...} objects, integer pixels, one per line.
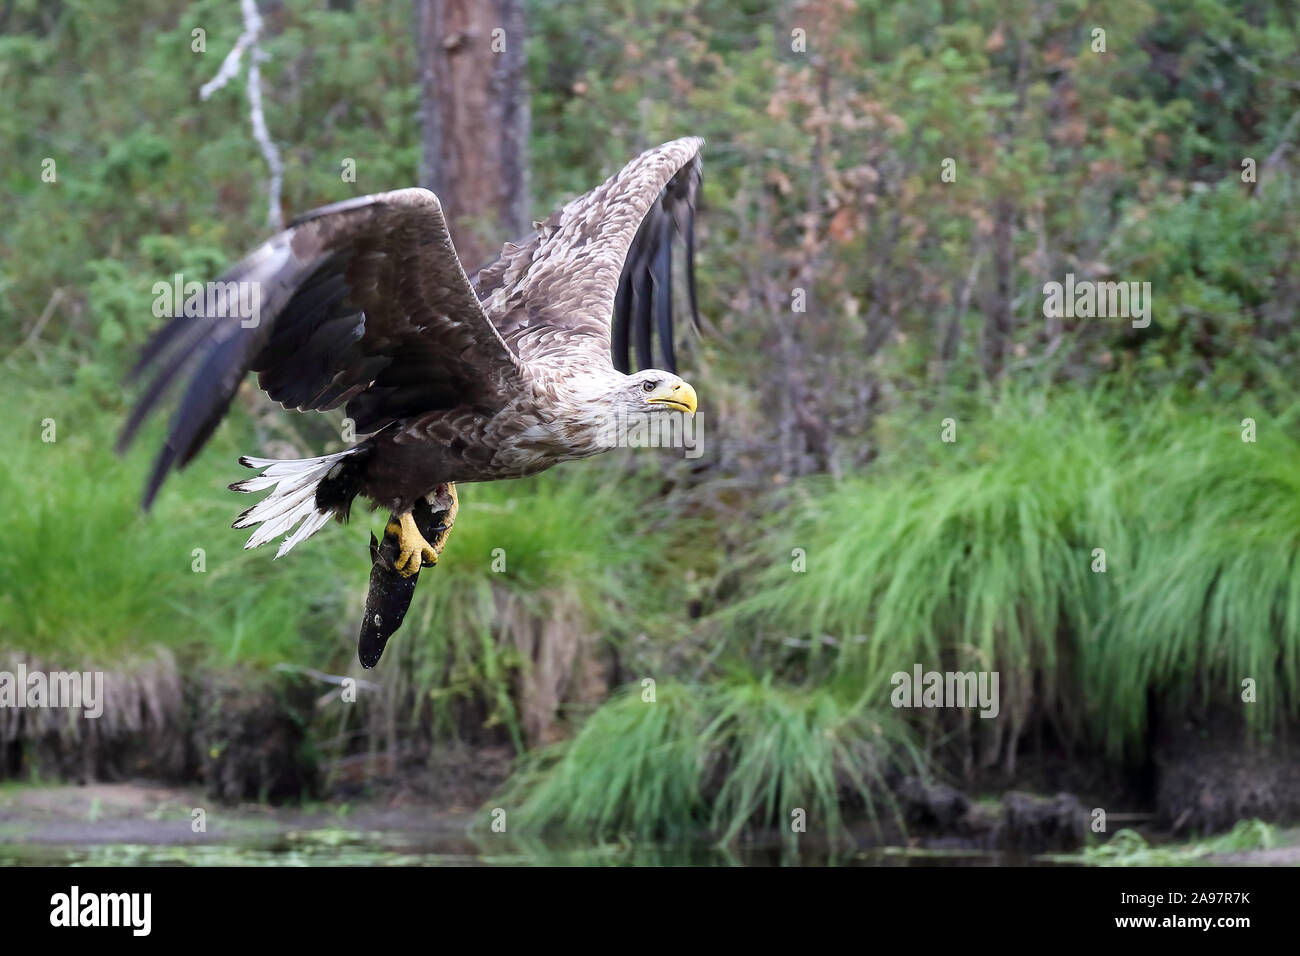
[{"x": 390, "y": 593}]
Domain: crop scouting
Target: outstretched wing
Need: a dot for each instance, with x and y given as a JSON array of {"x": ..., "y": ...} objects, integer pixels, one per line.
[
  {"x": 606, "y": 254},
  {"x": 363, "y": 302}
]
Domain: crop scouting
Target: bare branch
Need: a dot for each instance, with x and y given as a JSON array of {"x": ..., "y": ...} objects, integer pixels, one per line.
[
  {"x": 230, "y": 65},
  {"x": 269, "y": 151},
  {"x": 248, "y": 41}
]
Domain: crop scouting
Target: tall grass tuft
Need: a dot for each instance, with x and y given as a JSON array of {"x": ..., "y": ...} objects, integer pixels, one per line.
[
  {"x": 974, "y": 556},
  {"x": 717, "y": 758}
]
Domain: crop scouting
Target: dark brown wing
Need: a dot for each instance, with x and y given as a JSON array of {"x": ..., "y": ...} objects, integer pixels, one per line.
[
  {"x": 606, "y": 253},
  {"x": 363, "y": 302},
  {"x": 645, "y": 288}
]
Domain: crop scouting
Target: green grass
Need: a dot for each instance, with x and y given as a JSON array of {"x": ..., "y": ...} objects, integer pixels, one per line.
[
  {"x": 1130, "y": 848},
  {"x": 979, "y": 555},
  {"x": 1214, "y": 593},
  {"x": 714, "y": 759},
  {"x": 91, "y": 577}
]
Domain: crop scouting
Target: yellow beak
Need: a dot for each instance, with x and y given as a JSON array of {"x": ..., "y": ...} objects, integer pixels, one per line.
[{"x": 679, "y": 397}]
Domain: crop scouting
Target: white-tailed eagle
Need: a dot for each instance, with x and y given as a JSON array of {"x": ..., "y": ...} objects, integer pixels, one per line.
[{"x": 365, "y": 304}]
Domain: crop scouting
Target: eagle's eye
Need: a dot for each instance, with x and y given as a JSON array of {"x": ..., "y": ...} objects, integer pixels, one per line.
[{"x": 650, "y": 386}]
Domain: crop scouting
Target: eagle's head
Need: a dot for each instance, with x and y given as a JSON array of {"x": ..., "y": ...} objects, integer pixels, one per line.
[
  {"x": 614, "y": 410},
  {"x": 655, "y": 390}
]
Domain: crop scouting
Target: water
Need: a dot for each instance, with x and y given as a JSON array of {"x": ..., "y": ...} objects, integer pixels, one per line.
[
  {"x": 331, "y": 846},
  {"x": 138, "y": 824}
]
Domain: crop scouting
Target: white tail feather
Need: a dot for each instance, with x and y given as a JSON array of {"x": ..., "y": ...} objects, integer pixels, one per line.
[{"x": 293, "y": 500}]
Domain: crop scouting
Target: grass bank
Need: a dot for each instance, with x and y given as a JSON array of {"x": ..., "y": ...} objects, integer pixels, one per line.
[{"x": 1092, "y": 550}]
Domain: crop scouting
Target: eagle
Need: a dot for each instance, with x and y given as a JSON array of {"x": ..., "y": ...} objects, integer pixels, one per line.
[{"x": 451, "y": 378}]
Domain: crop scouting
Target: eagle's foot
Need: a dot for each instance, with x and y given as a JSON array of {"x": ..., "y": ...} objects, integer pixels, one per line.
[
  {"x": 413, "y": 551},
  {"x": 444, "y": 498}
]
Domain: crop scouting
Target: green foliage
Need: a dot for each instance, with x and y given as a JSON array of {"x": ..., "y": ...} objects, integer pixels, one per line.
[
  {"x": 631, "y": 767},
  {"x": 1219, "y": 264},
  {"x": 1130, "y": 848},
  {"x": 717, "y": 758},
  {"x": 91, "y": 578},
  {"x": 1212, "y": 599},
  {"x": 157, "y": 181},
  {"x": 980, "y": 555}
]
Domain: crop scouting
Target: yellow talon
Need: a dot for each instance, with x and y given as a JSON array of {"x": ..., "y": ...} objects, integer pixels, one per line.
[
  {"x": 413, "y": 551},
  {"x": 448, "y": 519}
]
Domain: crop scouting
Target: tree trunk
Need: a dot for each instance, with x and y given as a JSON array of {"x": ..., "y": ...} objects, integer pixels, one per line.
[{"x": 474, "y": 116}]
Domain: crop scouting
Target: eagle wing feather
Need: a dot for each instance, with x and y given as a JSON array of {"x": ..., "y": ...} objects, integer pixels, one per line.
[
  {"x": 597, "y": 274},
  {"x": 363, "y": 302}
]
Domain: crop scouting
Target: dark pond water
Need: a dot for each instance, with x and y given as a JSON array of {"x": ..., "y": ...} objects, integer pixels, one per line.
[{"x": 343, "y": 847}]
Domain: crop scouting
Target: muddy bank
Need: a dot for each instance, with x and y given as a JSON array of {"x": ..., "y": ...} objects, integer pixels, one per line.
[
  {"x": 131, "y": 813},
  {"x": 254, "y": 735},
  {"x": 242, "y": 735},
  {"x": 1196, "y": 775},
  {"x": 1206, "y": 778},
  {"x": 939, "y": 816}
]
